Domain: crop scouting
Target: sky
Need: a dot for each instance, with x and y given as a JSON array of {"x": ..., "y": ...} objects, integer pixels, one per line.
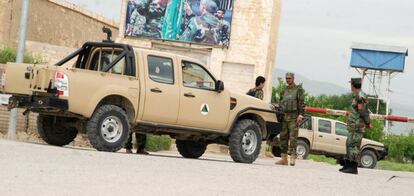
[{"x": 315, "y": 36}]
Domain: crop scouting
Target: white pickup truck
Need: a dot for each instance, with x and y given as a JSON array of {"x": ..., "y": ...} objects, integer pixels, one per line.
[{"x": 328, "y": 137}]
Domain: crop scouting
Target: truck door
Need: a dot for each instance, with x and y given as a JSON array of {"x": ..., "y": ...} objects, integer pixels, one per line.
[
  {"x": 341, "y": 134},
  {"x": 161, "y": 88},
  {"x": 201, "y": 106},
  {"x": 324, "y": 139}
]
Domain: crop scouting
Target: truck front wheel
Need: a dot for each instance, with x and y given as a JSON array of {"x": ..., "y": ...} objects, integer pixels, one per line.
[
  {"x": 245, "y": 141},
  {"x": 302, "y": 149},
  {"x": 108, "y": 128},
  {"x": 53, "y": 131},
  {"x": 191, "y": 149},
  {"x": 368, "y": 159}
]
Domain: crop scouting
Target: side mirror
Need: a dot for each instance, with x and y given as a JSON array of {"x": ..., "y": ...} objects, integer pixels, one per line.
[{"x": 219, "y": 86}]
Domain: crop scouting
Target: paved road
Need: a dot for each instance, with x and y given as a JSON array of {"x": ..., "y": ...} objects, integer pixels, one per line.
[{"x": 35, "y": 169}]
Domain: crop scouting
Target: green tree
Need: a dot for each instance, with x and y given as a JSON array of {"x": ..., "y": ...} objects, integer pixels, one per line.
[{"x": 9, "y": 55}]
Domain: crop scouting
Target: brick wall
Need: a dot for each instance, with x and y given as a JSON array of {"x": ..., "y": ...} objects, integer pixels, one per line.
[{"x": 24, "y": 123}]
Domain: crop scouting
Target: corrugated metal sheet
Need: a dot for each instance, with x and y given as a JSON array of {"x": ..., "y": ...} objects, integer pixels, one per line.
[
  {"x": 377, "y": 47},
  {"x": 378, "y": 57}
]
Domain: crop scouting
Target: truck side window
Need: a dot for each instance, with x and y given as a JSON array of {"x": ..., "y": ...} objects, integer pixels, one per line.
[
  {"x": 341, "y": 129},
  {"x": 195, "y": 76},
  {"x": 161, "y": 69},
  {"x": 325, "y": 126}
]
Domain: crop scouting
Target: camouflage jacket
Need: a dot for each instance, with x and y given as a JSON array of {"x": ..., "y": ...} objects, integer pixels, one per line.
[
  {"x": 358, "y": 118},
  {"x": 203, "y": 29},
  {"x": 292, "y": 99},
  {"x": 255, "y": 92}
]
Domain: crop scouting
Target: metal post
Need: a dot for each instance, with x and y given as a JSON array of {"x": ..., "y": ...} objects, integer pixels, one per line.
[
  {"x": 387, "y": 110},
  {"x": 11, "y": 134}
]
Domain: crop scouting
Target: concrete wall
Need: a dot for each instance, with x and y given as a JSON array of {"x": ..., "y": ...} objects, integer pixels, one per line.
[
  {"x": 253, "y": 43},
  {"x": 53, "y": 22}
]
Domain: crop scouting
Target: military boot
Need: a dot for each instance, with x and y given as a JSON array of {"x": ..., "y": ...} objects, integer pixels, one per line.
[
  {"x": 283, "y": 161},
  {"x": 352, "y": 168},
  {"x": 292, "y": 160},
  {"x": 346, "y": 165},
  {"x": 268, "y": 154}
]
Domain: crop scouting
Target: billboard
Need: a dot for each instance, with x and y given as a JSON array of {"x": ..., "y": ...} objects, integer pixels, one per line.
[{"x": 196, "y": 21}]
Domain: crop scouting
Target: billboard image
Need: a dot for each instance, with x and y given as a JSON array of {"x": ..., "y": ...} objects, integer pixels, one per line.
[{"x": 197, "y": 21}]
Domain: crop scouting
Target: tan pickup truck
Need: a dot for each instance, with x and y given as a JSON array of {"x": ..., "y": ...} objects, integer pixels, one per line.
[
  {"x": 107, "y": 90},
  {"x": 328, "y": 137}
]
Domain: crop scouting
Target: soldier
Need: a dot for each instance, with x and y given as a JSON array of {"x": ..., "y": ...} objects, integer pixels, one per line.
[
  {"x": 137, "y": 22},
  {"x": 141, "y": 141},
  {"x": 155, "y": 17},
  {"x": 292, "y": 102},
  {"x": 224, "y": 29},
  {"x": 258, "y": 90},
  {"x": 358, "y": 120},
  {"x": 204, "y": 28}
]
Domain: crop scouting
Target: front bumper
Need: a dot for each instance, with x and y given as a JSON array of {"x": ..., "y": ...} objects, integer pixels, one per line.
[
  {"x": 37, "y": 102},
  {"x": 383, "y": 153}
]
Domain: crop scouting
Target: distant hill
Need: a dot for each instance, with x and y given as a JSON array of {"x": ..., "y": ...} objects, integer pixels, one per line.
[
  {"x": 316, "y": 88},
  {"x": 313, "y": 87}
]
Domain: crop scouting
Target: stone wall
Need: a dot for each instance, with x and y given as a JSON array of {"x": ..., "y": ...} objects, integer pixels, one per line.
[
  {"x": 54, "y": 22},
  {"x": 253, "y": 43}
]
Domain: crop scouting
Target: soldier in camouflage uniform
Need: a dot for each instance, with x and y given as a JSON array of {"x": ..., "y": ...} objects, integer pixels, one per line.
[
  {"x": 204, "y": 28},
  {"x": 258, "y": 90},
  {"x": 224, "y": 32},
  {"x": 155, "y": 17},
  {"x": 292, "y": 102},
  {"x": 358, "y": 120},
  {"x": 137, "y": 22}
]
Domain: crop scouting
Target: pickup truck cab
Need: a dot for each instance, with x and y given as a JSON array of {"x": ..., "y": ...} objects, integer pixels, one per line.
[
  {"x": 328, "y": 137},
  {"x": 107, "y": 90}
]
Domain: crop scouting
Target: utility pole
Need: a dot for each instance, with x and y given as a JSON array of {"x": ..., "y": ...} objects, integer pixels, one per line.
[{"x": 11, "y": 134}]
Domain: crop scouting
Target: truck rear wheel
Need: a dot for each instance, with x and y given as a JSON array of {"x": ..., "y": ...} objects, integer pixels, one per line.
[
  {"x": 52, "y": 130},
  {"x": 191, "y": 149},
  {"x": 108, "y": 128},
  {"x": 245, "y": 141}
]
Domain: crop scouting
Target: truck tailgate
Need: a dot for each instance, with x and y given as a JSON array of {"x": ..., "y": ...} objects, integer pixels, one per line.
[
  {"x": 13, "y": 79},
  {"x": 24, "y": 78}
]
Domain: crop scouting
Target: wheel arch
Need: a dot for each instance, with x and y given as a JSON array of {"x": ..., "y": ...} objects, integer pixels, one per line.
[
  {"x": 371, "y": 148},
  {"x": 306, "y": 140},
  {"x": 119, "y": 101},
  {"x": 255, "y": 117}
]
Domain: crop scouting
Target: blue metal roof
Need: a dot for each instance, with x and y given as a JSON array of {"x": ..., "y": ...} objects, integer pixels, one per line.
[{"x": 378, "y": 57}]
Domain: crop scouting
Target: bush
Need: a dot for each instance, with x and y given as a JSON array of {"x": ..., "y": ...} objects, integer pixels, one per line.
[
  {"x": 158, "y": 143},
  {"x": 400, "y": 148},
  {"x": 9, "y": 55}
]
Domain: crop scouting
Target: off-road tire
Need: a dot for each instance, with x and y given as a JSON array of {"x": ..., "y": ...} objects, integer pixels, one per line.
[
  {"x": 236, "y": 144},
  {"x": 372, "y": 155},
  {"x": 305, "y": 146},
  {"x": 53, "y": 132},
  {"x": 190, "y": 149},
  {"x": 94, "y": 131}
]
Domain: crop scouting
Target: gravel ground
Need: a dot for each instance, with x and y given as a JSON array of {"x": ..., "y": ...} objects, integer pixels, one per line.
[{"x": 38, "y": 169}]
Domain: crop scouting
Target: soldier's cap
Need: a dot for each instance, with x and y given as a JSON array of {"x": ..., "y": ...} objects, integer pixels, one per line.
[
  {"x": 290, "y": 75},
  {"x": 356, "y": 82}
]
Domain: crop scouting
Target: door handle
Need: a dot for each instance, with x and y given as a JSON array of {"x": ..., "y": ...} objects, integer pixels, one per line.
[
  {"x": 320, "y": 135},
  {"x": 338, "y": 139},
  {"x": 156, "y": 90},
  {"x": 189, "y": 95}
]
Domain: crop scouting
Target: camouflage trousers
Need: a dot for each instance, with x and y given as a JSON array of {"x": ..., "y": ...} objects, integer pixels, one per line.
[
  {"x": 353, "y": 145},
  {"x": 289, "y": 135}
]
